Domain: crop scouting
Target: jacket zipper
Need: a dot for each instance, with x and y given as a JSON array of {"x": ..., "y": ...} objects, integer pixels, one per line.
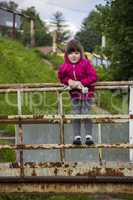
[{"x": 74, "y": 74}]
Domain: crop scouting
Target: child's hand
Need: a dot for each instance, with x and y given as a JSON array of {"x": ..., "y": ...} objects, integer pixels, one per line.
[
  {"x": 75, "y": 84},
  {"x": 84, "y": 90},
  {"x": 71, "y": 83},
  {"x": 79, "y": 85}
]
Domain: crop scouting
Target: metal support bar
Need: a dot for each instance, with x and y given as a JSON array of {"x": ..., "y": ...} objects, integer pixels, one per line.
[
  {"x": 28, "y": 119},
  {"x": 14, "y": 26},
  {"x": 60, "y": 89},
  {"x": 67, "y": 179},
  {"x": 20, "y": 132},
  {"x": 38, "y": 85},
  {"x": 65, "y": 146},
  {"x": 100, "y": 141},
  {"x": 60, "y": 110},
  {"x": 19, "y": 102}
]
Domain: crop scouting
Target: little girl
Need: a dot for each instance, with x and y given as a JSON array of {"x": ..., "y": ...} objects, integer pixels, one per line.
[{"x": 78, "y": 73}]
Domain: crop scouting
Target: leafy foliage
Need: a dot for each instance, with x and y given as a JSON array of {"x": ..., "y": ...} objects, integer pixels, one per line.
[
  {"x": 114, "y": 21},
  {"x": 88, "y": 35},
  {"x": 118, "y": 29},
  {"x": 120, "y": 32}
]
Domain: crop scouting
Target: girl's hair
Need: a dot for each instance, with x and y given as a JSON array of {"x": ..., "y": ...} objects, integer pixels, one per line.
[{"x": 74, "y": 46}]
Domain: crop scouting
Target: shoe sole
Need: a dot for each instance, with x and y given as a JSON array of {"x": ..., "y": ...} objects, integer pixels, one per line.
[
  {"x": 77, "y": 143},
  {"x": 89, "y": 143}
]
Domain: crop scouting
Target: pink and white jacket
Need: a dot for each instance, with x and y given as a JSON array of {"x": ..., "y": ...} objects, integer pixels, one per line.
[{"x": 82, "y": 71}]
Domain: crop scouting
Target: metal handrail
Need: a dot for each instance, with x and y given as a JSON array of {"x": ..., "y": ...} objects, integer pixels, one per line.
[
  {"x": 27, "y": 87},
  {"x": 60, "y": 117}
]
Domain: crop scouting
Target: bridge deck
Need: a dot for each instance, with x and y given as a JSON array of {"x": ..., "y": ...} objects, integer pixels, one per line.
[{"x": 61, "y": 177}]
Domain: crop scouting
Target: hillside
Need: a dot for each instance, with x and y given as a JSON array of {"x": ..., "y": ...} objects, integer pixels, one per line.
[{"x": 22, "y": 65}]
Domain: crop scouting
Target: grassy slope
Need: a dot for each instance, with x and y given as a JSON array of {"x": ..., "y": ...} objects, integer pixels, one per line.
[
  {"x": 55, "y": 59},
  {"x": 21, "y": 65}
]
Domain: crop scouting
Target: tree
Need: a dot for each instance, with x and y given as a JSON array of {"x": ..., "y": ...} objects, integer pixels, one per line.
[
  {"x": 119, "y": 30},
  {"x": 60, "y": 27},
  {"x": 42, "y": 37},
  {"x": 89, "y": 39},
  {"x": 90, "y": 35},
  {"x": 114, "y": 20}
]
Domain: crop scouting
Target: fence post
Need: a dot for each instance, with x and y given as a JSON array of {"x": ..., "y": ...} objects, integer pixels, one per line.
[
  {"x": 32, "y": 32},
  {"x": 14, "y": 26},
  {"x": 131, "y": 123},
  {"x": 60, "y": 112},
  {"x": 100, "y": 151},
  {"x": 20, "y": 133}
]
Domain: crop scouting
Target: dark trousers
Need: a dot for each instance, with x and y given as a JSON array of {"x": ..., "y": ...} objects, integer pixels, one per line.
[{"x": 81, "y": 107}]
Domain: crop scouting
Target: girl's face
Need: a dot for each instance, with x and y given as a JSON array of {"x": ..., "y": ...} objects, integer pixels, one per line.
[{"x": 74, "y": 56}]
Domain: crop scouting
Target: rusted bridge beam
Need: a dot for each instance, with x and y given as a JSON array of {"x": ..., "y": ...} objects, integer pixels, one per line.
[
  {"x": 67, "y": 179},
  {"x": 116, "y": 189},
  {"x": 66, "y": 185},
  {"x": 65, "y": 146}
]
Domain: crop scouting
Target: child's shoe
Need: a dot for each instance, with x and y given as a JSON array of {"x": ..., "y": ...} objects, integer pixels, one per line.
[
  {"x": 77, "y": 140},
  {"x": 89, "y": 140}
]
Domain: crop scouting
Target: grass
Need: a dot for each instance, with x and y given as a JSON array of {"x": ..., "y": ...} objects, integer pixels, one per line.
[
  {"x": 114, "y": 102},
  {"x": 7, "y": 155},
  {"x": 21, "y": 65},
  {"x": 53, "y": 58}
]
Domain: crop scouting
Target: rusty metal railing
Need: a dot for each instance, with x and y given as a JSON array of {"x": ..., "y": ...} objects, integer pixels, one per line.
[{"x": 60, "y": 118}]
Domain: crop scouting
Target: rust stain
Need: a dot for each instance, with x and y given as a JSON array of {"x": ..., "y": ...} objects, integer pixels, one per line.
[
  {"x": 114, "y": 172},
  {"x": 70, "y": 172},
  {"x": 34, "y": 172},
  {"x": 66, "y": 165},
  {"x": 14, "y": 165},
  {"x": 56, "y": 171},
  {"x": 44, "y": 165},
  {"x": 56, "y": 164},
  {"x": 73, "y": 169},
  {"x": 102, "y": 172}
]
